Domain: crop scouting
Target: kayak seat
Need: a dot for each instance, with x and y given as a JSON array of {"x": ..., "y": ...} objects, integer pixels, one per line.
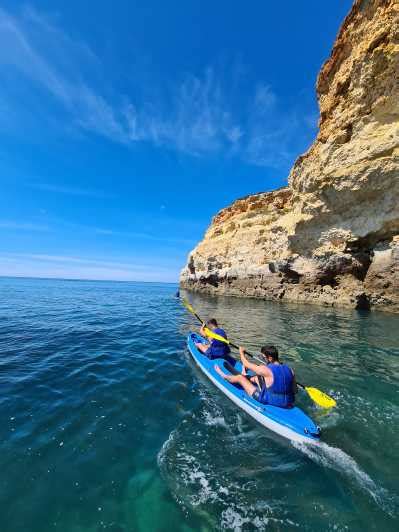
[{"x": 230, "y": 368}]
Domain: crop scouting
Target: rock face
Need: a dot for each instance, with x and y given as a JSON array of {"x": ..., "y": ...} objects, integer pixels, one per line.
[{"x": 331, "y": 236}]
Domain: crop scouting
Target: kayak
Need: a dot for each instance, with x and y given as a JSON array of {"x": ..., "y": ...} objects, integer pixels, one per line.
[{"x": 292, "y": 423}]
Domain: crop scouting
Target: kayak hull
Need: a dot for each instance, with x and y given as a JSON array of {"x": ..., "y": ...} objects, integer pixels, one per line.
[{"x": 291, "y": 423}]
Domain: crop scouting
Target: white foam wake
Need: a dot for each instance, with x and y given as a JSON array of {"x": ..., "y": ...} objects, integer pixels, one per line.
[{"x": 335, "y": 458}]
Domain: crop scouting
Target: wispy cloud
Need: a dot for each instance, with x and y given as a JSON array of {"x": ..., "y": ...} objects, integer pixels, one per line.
[
  {"x": 22, "y": 226},
  {"x": 72, "y": 191},
  {"x": 69, "y": 267},
  {"x": 197, "y": 114},
  {"x": 67, "y": 259},
  {"x": 143, "y": 236},
  {"x": 194, "y": 117},
  {"x": 272, "y": 131},
  {"x": 90, "y": 231},
  {"x": 37, "y": 50}
]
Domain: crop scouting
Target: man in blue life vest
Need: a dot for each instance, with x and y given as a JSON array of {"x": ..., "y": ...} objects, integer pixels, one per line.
[
  {"x": 215, "y": 348},
  {"x": 273, "y": 383}
]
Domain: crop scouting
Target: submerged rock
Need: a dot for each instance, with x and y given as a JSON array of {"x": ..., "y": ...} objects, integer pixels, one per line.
[{"x": 331, "y": 235}]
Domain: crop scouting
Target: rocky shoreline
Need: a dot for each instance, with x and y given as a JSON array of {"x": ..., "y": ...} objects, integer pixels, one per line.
[{"x": 332, "y": 235}]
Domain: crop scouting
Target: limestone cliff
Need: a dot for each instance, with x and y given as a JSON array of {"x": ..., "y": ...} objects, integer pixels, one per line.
[{"x": 331, "y": 236}]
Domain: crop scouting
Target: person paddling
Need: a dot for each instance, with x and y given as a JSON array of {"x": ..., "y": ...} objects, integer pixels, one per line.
[
  {"x": 273, "y": 383},
  {"x": 216, "y": 348}
]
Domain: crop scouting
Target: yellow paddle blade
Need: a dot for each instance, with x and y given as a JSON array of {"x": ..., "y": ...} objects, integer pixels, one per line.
[
  {"x": 321, "y": 398},
  {"x": 211, "y": 334}
]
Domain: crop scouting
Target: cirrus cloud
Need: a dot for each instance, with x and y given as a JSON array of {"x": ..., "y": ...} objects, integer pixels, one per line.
[{"x": 195, "y": 114}]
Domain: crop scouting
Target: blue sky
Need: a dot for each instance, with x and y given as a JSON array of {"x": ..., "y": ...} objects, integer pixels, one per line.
[{"x": 125, "y": 126}]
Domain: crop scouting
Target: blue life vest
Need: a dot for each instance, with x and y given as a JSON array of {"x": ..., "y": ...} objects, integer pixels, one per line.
[
  {"x": 219, "y": 349},
  {"x": 281, "y": 392}
]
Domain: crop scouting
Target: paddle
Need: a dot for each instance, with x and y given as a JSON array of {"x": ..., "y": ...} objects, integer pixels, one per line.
[{"x": 319, "y": 397}]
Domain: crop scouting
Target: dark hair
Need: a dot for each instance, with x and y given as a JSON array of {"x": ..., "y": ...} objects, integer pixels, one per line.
[
  {"x": 270, "y": 351},
  {"x": 213, "y": 322}
]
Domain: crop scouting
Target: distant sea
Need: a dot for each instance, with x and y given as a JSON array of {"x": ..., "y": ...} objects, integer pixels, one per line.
[{"x": 106, "y": 423}]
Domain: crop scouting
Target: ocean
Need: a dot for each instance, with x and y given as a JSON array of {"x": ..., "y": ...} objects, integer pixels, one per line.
[{"x": 107, "y": 424}]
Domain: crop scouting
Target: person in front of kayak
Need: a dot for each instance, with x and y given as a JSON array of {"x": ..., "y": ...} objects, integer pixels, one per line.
[
  {"x": 273, "y": 383},
  {"x": 215, "y": 348}
]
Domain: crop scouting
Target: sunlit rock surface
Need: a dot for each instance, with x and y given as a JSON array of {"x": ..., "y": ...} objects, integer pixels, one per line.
[{"x": 330, "y": 237}]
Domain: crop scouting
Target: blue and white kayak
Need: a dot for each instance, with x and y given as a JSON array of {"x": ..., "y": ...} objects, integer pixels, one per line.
[{"x": 292, "y": 423}]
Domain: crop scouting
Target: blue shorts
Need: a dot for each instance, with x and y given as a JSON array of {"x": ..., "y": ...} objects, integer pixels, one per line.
[{"x": 257, "y": 396}]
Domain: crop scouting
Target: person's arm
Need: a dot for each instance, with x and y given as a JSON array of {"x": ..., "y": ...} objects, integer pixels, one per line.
[
  {"x": 259, "y": 370},
  {"x": 202, "y": 331}
]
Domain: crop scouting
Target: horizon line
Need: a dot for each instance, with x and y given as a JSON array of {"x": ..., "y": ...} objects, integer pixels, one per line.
[{"x": 38, "y": 278}]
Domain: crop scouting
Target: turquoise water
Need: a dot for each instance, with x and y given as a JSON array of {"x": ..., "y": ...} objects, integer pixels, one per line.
[{"x": 106, "y": 424}]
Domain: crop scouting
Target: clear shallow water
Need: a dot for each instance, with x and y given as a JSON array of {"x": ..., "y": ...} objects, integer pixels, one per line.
[{"x": 106, "y": 424}]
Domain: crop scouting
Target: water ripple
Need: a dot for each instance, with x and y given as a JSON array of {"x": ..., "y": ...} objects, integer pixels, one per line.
[{"x": 106, "y": 423}]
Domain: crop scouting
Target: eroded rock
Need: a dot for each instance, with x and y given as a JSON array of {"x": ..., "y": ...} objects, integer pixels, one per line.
[{"x": 330, "y": 237}]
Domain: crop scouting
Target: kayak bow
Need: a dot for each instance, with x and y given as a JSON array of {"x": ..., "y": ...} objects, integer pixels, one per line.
[{"x": 292, "y": 423}]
